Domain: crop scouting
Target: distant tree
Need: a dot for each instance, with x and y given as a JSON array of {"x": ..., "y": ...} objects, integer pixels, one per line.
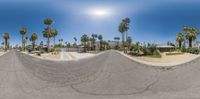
[
  {"x": 75, "y": 39},
  {"x": 85, "y": 40},
  {"x": 33, "y": 38},
  {"x": 180, "y": 39},
  {"x": 117, "y": 40},
  {"x": 60, "y": 41},
  {"x": 66, "y": 44},
  {"x": 41, "y": 44},
  {"x": 6, "y": 37},
  {"x": 23, "y": 31}
]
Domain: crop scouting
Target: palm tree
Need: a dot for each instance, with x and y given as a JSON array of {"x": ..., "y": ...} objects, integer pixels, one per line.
[
  {"x": 129, "y": 41},
  {"x": 191, "y": 34},
  {"x": 60, "y": 41},
  {"x": 121, "y": 29},
  {"x": 126, "y": 22},
  {"x": 124, "y": 27},
  {"x": 180, "y": 39},
  {"x": 6, "y": 37},
  {"x": 47, "y": 33},
  {"x": 93, "y": 39},
  {"x": 41, "y": 44},
  {"x": 85, "y": 40},
  {"x": 48, "y": 22},
  {"x": 100, "y": 37},
  {"x": 66, "y": 44},
  {"x": 25, "y": 41},
  {"x": 23, "y": 31},
  {"x": 33, "y": 38},
  {"x": 54, "y": 34}
]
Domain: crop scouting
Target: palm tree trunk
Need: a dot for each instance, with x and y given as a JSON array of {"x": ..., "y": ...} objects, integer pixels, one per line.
[
  {"x": 126, "y": 35},
  {"x": 54, "y": 40},
  {"x": 5, "y": 44},
  {"x": 48, "y": 41},
  {"x": 123, "y": 39},
  {"x": 22, "y": 43},
  {"x": 180, "y": 44},
  {"x": 190, "y": 42},
  {"x": 84, "y": 46},
  {"x": 33, "y": 45}
]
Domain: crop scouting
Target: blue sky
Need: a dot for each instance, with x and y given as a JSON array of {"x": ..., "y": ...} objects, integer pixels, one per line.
[{"x": 151, "y": 20}]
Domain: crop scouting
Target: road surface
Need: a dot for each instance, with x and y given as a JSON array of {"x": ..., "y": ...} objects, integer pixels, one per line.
[{"x": 107, "y": 76}]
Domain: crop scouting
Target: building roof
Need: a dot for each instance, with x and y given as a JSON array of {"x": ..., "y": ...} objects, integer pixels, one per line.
[{"x": 165, "y": 46}]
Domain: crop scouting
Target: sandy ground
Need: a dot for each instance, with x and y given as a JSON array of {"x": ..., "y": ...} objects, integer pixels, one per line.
[
  {"x": 65, "y": 56},
  {"x": 170, "y": 58}
]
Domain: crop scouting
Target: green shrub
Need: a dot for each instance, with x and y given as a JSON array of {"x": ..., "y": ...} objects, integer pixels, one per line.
[
  {"x": 149, "y": 49},
  {"x": 136, "y": 53},
  {"x": 183, "y": 48},
  {"x": 193, "y": 50},
  {"x": 157, "y": 53}
]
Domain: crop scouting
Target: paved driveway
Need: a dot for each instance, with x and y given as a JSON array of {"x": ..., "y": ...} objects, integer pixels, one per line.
[{"x": 108, "y": 76}]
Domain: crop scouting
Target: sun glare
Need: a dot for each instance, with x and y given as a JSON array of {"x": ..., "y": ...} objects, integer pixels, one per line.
[{"x": 99, "y": 12}]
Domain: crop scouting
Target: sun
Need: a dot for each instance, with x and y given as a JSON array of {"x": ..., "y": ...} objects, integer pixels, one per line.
[{"x": 99, "y": 12}]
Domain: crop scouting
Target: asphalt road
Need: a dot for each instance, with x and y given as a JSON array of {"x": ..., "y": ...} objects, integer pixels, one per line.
[{"x": 107, "y": 76}]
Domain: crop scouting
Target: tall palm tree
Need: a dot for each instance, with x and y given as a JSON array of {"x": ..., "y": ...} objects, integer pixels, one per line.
[
  {"x": 47, "y": 33},
  {"x": 85, "y": 40},
  {"x": 129, "y": 41},
  {"x": 23, "y": 31},
  {"x": 93, "y": 39},
  {"x": 121, "y": 29},
  {"x": 6, "y": 37},
  {"x": 54, "y": 34},
  {"x": 126, "y": 22},
  {"x": 100, "y": 37},
  {"x": 33, "y": 38},
  {"x": 180, "y": 39},
  {"x": 191, "y": 34},
  {"x": 25, "y": 42},
  {"x": 48, "y": 22}
]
